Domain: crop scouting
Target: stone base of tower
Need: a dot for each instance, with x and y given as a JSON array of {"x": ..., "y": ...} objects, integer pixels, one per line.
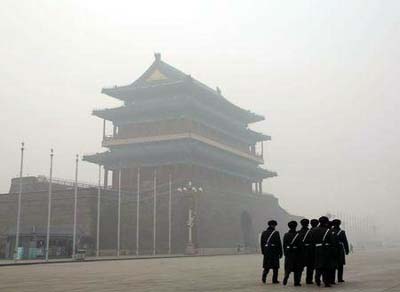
[{"x": 226, "y": 222}]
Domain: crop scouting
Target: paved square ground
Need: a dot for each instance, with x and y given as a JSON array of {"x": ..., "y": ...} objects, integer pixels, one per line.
[{"x": 367, "y": 271}]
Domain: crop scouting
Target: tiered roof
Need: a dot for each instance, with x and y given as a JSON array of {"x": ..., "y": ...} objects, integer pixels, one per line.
[
  {"x": 174, "y": 108},
  {"x": 163, "y": 92},
  {"x": 184, "y": 151},
  {"x": 161, "y": 75}
]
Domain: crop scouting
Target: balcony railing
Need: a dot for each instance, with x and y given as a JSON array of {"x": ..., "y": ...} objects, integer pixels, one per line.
[{"x": 110, "y": 140}]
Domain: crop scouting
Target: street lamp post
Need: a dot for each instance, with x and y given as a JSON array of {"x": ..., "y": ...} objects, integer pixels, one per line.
[
  {"x": 191, "y": 191},
  {"x": 190, "y": 223}
]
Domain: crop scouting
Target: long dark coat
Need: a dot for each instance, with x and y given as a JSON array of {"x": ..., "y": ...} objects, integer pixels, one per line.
[
  {"x": 292, "y": 248},
  {"x": 343, "y": 245},
  {"x": 308, "y": 250},
  {"x": 272, "y": 249},
  {"x": 334, "y": 250},
  {"x": 323, "y": 247}
]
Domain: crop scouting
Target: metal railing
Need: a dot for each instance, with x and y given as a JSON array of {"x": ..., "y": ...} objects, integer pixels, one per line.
[
  {"x": 257, "y": 154},
  {"x": 66, "y": 182}
]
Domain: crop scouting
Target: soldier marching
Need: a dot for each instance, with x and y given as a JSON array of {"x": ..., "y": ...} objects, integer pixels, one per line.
[
  {"x": 319, "y": 250},
  {"x": 271, "y": 248}
]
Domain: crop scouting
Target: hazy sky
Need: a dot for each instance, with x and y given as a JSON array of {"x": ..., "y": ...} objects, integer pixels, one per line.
[{"x": 324, "y": 73}]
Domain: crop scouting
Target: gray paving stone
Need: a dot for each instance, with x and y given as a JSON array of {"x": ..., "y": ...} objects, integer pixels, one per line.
[{"x": 367, "y": 271}]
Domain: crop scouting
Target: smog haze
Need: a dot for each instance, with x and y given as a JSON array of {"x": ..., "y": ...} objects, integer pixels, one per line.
[{"x": 323, "y": 73}]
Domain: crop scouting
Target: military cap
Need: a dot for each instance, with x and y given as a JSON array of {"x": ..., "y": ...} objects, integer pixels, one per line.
[
  {"x": 304, "y": 222},
  {"x": 336, "y": 222},
  {"x": 272, "y": 223},
  {"x": 292, "y": 224},
  {"x": 323, "y": 220},
  {"x": 314, "y": 222}
]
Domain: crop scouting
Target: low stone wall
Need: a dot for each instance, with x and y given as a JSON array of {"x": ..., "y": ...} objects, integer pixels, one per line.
[
  {"x": 224, "y": 221},
  {"x": 224, "y": 251}
]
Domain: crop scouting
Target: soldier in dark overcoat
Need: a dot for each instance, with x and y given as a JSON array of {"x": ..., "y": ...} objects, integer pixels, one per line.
[
  {"x": 292, "y": 249},
  {"x": 343, "y": 248},
  {"x": 307, "y": 250},
  {"x": 311, "y": 267},
  {"x": 271, "y": 248},
  {"x": 322, "y": 240},
  {"x": 333, "y": 255}
]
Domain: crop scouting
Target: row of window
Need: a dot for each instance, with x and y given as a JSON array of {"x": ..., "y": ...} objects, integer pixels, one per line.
[{"x": 177, "y": 126}]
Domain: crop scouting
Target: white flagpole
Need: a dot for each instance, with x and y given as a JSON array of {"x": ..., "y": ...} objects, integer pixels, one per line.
[
  {"x": 119, "y": 212},
  {"x": 98, "y": 215},
  {"x": 49, "y": 205},
  {"x": 169, "y": 214},
  {"x": 137, "y": 210},
  {"x": 19, "y": 202},
  {"x": 75, "y": 206},
  {"x": 155, "y": 212}
]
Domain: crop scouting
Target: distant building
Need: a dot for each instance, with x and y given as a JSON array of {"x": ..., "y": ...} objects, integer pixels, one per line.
[
  {"x": 172, "y": 125},
  {"x": 173, "y": 130}
]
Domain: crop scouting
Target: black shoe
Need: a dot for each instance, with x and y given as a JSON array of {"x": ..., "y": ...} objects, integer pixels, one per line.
[
  {"x": 275, "y": 282},
  {"x": 264, "y": 278},
  {"x": 309, "y": 282},
  {"x": 318, "y": 283},
  {"x": 328, "y": 285},
  {"x": 284, "y": 281},
  {"x": 297, "y": 285},
  {"x": 341, "y": 281}
]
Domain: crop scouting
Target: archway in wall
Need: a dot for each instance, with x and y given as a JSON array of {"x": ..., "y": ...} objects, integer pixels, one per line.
[{"x": 247, "y": 230}]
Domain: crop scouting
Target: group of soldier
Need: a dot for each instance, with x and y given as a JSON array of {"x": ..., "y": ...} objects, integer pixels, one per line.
[{"x": 320, "y": 249}]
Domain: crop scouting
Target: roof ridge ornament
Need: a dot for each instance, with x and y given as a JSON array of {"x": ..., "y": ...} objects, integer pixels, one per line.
[
  {"x": 218, "y": 90},
  {"x": 189, "y": 78},
  {"x": 157, "y": 56}
]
